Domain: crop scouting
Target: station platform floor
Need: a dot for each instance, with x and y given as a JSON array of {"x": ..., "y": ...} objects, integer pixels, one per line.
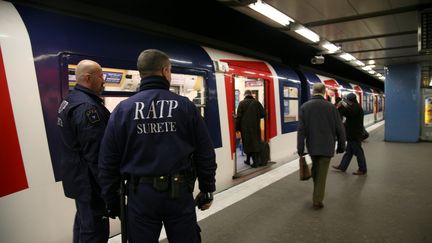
[{"x": 392, "y": 203}]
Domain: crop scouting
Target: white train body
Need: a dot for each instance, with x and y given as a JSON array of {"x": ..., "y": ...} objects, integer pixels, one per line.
[{"x": 38, "y": 53}]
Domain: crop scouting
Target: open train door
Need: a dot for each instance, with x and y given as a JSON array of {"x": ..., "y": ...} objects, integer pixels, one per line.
[{"x": 253, "y": 76}]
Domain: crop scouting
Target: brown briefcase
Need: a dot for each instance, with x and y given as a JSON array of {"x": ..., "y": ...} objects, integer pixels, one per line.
[{"x": 305, "y": 173}]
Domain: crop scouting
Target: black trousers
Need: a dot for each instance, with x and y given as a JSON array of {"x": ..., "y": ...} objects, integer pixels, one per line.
[
  {"x": 255, "y": 157},
  {"x": 148, "y": 209},
  {"x": 91, "y": 225},
  {"x": 354, "y": 148}
]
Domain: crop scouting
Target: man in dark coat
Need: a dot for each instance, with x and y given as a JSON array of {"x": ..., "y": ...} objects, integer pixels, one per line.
[
  {"x": 354, "y": 129},
  {"x": 248, "y": 122},
  {"x": 319, "y": 126},
  {"x": 82, "y": 119}
]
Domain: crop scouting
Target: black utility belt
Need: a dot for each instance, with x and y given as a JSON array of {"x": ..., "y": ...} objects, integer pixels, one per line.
[
  {"x": 151, "y": 179},
  {"x": 166, "y": 183}
]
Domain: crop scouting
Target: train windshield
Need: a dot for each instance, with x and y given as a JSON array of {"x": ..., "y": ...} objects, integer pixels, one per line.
[{"x": 122, "y": 83}]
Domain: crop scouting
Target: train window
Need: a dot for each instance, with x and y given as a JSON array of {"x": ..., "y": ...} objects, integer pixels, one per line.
[
  {"x": 256, "y": 86},
  {"x": 380, "y": 103},
  {"x": 115, "y": 79},
  {"x": 345, "y": 92},
  {"x": 122, "y": 83},
  {"x": 290, "y": 104},
  {"x": 367, "y": 103},
  {"x": 191, "y": 86}
]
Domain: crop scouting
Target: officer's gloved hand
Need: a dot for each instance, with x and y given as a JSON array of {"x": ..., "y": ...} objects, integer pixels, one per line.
[
  {"x": 204, "y": 200},
  {"x": 113, "y": 209},
  {"x": 340, "y": 150}
]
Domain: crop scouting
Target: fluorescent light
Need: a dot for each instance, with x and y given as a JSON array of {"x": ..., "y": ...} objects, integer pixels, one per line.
[
  {"x": 347, "y": 57},
  {"x": 308, "y": 34},
  {"x": 382, "y": 78},
  {"x": 371, "y": 62},
  {"x": 360, "y": 63},
  {"x": 330, "y": 47},
  {"x": 271, "y": 13},
  {"x": 371, "y": 71},
  {"x": 366, "y": 68}
]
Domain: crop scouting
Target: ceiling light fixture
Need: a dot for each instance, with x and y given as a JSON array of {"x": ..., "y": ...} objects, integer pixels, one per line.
[
  {"x": 332, "y": 48},
  {"x": 347, "y": 57},
  {"x": 359, "y": 63},
  {"x": 271, "y": 13},
  {"x": 307, "y": 33}
]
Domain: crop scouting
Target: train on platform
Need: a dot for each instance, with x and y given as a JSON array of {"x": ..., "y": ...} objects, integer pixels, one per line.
[{"x": 39, "y": 50}]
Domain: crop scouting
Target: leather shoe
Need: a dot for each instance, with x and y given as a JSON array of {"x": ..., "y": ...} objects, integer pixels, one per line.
[
  {"x": 318, "y": 206},
  {"x": 337, "y": 168},
  {"x": 247, "y": 162},
  {"x": 359, "y": 173}
]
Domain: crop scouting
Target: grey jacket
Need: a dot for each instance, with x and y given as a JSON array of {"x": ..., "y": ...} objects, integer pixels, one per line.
[{"x": 320, "y": 126}]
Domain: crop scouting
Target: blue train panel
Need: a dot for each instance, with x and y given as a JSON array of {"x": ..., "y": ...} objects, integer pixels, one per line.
[
  {"x": 367, "y": 100},
  {"x": 344, "y": 84},
  {"x": 58, "y": 40},
  {"x": 290, "y": 97}
]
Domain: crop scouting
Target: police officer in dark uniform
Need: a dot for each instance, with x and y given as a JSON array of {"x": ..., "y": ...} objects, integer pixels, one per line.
[
  {"x": 158, "y": 139},
  {"x": 82, "y": 119}
]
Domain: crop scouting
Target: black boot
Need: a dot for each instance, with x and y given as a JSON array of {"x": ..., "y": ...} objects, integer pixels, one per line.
[
  {"x": 247, "y": 161},
  {"x": 256, "y": 159}
]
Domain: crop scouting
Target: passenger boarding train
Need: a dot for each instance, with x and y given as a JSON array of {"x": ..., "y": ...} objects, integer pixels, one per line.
[{"x": 39, "y": 51}]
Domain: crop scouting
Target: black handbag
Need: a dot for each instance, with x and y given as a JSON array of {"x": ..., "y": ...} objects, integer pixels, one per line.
[{"x": 365, "y": 134}]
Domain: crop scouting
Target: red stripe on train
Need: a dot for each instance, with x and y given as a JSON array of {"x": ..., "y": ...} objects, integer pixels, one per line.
[{"x": 12, "y": 172}]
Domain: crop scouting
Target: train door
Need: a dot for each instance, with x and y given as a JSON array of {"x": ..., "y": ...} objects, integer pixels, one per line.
[
  {"x": 332, "y": 88},
  {"x": 257, "y": 87},
  {"x": 237, "y": 85},
  {"x": 360, "y": 96}
]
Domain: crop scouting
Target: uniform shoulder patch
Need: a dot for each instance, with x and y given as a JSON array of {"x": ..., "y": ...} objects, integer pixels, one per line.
[
  {"x": 92, "y": 115},
  {"x": 62, "y": 106}
]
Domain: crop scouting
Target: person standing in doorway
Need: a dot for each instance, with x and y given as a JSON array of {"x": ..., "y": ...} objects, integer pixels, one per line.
[
  {"x": 319, "y": 127},
  {"x": 82, "y": 119},
  {"x": 354, "y": 129},
  {"x": 248, "y": 123}
]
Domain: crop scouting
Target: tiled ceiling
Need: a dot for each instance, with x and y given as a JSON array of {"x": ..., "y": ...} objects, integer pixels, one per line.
[
  {"x": 380, "y": 30},
  {"x": 384, "y": 31}
]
